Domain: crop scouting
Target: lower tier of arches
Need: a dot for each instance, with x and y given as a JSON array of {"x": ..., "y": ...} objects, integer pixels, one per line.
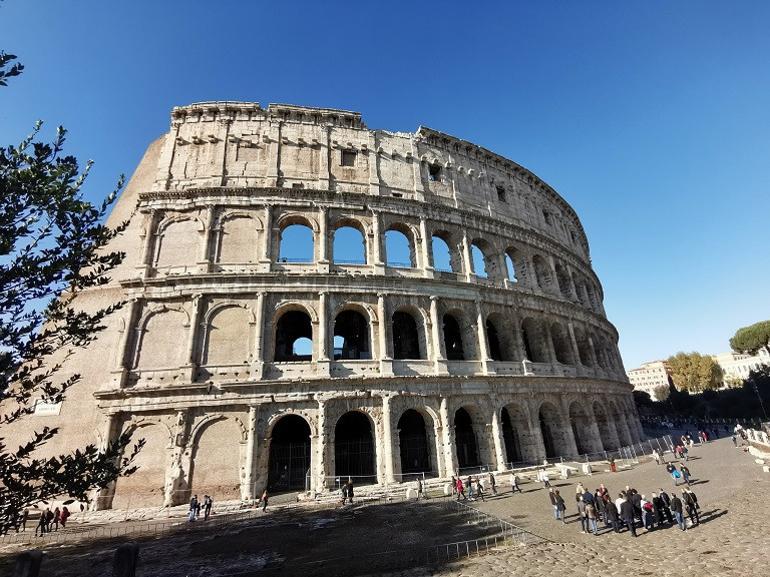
[{"x": 313, "y": 442}]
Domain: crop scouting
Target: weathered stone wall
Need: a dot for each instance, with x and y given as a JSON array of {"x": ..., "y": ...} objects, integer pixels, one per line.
[{"x": 200, "y": 360}]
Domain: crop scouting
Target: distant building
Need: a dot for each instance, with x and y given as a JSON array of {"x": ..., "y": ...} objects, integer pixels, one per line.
[
  {"x": 737, "y": 366},
  {"x": 649, "y": 377}
]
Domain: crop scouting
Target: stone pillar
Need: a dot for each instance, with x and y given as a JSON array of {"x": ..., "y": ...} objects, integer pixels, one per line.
[
  {"x": 176, "y": 489},
  {"x": 538, "y": 444},
  {"x": 192, "y": 336},
  {"x": 418, "y": 188},
  {"x": 377, "y": 243},
  {"x": 273, "y": 141},
  {"x": 387, "y": 441},
  {"x": 148, "y": 248},
  {"x": 497, "y": 439},
  {"x": 204, "y": 259},
  {"x": 323, "y": 240},
  {"x": 550, "y": 351},
  {"x": 447, "y": 424},
  {"x": 373, "y": 159},
  {"x": 324, "y": 160},
  {"x": 573, "y": 341},
  {"x": 386, "y": 353},
  {"x": 592, "y": 352},
  {"x": 258, "y": 357},
  {"x": 323, "y": 363},
  {"x": 481, "y": 328},
  {"x": 467, "y": 258},
  {"x": 439, "y": 347},
  {"x": 123, "y": 360},
  {"x": 427, "y": 260},
  {"x": 266, "y": 258},
  {"x": 102, "y": 498},
  {"x": 318, "y": 460},
  {"x": 248, "y": 488}
]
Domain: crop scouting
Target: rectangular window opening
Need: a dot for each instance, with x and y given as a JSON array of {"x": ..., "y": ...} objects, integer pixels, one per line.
[
  {"x": 434, "y": 172},
  {"x": 348, "y": 158},
  {"x": 501, "y": 194}
]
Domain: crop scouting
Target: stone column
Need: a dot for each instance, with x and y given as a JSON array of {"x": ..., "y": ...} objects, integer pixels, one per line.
[
  {"x": 176, "y": 488},
  {"x": 377, "y": 243},
  {"x": 323, "y": 363},
  {"x": 123, "y": 360},
  {"x": 323, "y": 240},
  {"x": 266, "y": 258},
  {"x": 204, "y": 259},
  {"x": 318, "y": 460},
  {"x": 575, "y": 348},
  {"x": 447, "y": 424},
  {"x": 439, "y": 347},
  {"x": 273, "y": 141},
  {"x": 592, "y": 352},
  {"x": 386, "y": 352},
  {"x": 248, "y": 488},
  {"x": 324, "y": 162},
  {"x": 418, "y": 188},
  {"x": 427, "y": 260},
  {"x": 148, "y": 248},
  {"x": 497, "y": 438},
  {"x": 467, "y": 259},
  {"x": 481, "y": 329},
  {"x": 387, "y": 440},
  {"x": 373, "y": 159},
  {"x": 192, "y": 337},
  {"x": 258, "y": 357},
  {"x": 550, "y": 351},
  {"x": 102, "y": 498}
]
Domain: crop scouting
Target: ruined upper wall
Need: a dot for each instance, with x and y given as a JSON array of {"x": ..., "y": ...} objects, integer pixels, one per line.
[{"x": 244, "y": 145}]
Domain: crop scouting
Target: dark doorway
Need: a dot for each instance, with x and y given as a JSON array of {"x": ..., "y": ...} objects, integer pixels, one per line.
[
  {"x": 291, "y": 327},
  {"x": 351, "y": 336},
  {"x": 289, "y": 461},
  {"x": 465, "y": 440},
  {"x": 511, "y": 439},
  {"x": 453, "y": 340},
  {"x": 413, "y": 439},
  {"x": 547, "y": 432},
  {"x": 354, "y": 449},
  {"x": 495, "y": 351},
  {"x": 406, "y": 338}
]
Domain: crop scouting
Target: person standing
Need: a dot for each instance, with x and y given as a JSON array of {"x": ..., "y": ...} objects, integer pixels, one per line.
[
  {"x": 666, "y": 506},
  {"x": 344, "y": 493},
  {"x": 561, "y": 507},
  {"x": 207, "y": 504},
  {"x": 581, "y": 508},
  {"x": 591, "y": 515},
  {"x": 544, "y": 478},
  {"x": 48, "y": 520},
  {"x": 685, "y": 474},
  {"x": 627, "y": 514},
  {"x": 691, "y": 506},
  {"x": 492, "y": 484},
  {"x": 515, "y": 483},
  {"x": 656, "y": 456},
  {"x": 193, "y": 508},
  {"x": 454, "y": 486},
  {"x": 65, "y": 514},
  {"x": 611, "y": 513},
  {"x": 56, "y": 518},
  {"x": 657, "y": 510},
  {"x": 675, "y": 474},
  {"x": 350, "y": 490},
  {"x": 601, "y": 514},
  {"x": 471, "y": 489},
  {"x": 24, "y": 517},
  {"x": 263, "y": 500},
  {"x": 460, "y": 489},
  {"x": 41, "y": 523},
  {"x": 676, "y": 508},
  {"x": 419, "y": 488},
  {"x": 552, "y": 498}
]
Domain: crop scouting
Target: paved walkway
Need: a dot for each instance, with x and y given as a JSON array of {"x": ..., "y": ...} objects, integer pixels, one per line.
[{"x": 733, "y": 538}]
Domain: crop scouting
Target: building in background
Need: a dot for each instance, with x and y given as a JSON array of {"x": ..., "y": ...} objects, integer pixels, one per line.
[
  {"x": 649, "y": 378},
  {"x": 736, "y": 366}
]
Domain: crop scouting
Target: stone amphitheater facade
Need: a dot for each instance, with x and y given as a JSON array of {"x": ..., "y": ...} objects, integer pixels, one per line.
[{"x": 415, "y": 368}]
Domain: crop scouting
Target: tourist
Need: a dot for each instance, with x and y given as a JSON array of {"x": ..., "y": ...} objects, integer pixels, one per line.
[
  {"x": 735, "y": 439},
  {"x": 41, "y": 523},
  {"x": 419, "y": 488},
  {"x": 65, "y": 514},
  {"x": 552, "y": 498},
  {"x": 691, "y": 505},
  {"x": 591, "y": 515},
  {"x": 581, "y": 507},
  {"x": 619, "y": 504},
  {"x": 23, "y": 523},
  {"x": 471, "y": 489},
  {"x": 460, "y": 489},
  {"x": 627, "y": 515},
  {"x": 48, "y": 520},
  {"x": 676, "y": 508},
  {"x": 207, "y": 504},
  {"x": 675, "y": 474},
  {"x": 193, "y": 508},
  {"x": 56, "y": 518},
  {"x": 648, "y": 514},
  {"x": 515, "y": 483},
  {"x": 657, "y": 510},
  {"x": 656, "y": 456},
  {"x": 599, "y": 505},
  {"x": 263, "y": 498},
  {"x": 561, "y": 507},
  {"x": 611, "y": 513},
  {"x": 344, "y": 493},
  {"x": 544, "y": 478},
  {"x": 480, "y": 489},
  {"x": 685, "y": 474},
  {"x": 350, "y": 490},
  {"x": 454, "y": 486},
  {"x": 492, "y": 483}
]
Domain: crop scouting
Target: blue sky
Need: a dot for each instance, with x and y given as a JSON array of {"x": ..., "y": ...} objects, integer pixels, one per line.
[{"x": 651, "y": 118}]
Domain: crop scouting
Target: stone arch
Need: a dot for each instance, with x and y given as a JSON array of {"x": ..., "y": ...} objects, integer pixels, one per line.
[
  {"x": 353, "y": 329},
  {"x": 228, "y": 330},
  {"x": 516, "y": 267},
  {"x": 238, "y": 237},
  {"x": 213, "y": 471},
  {"x": 582, "y": 429},
  {"x": 562, "y": 346},
  {"x": 500, "y": 338},
  {"x": 556, "y": 436},
  {"x": 458, "y": 333},
  {"x": 159, "y": 345},
  {"x": 414, "y": 429},
  {"x": 563, "y": 281},
  {"x": 177, "y": 240},
  {"x": 347, "y": 233},
  {"x": 396, "y": 234},
  {"x": 517, "y": 437},
  {"x": 543, "y": 273},
  {"x": 292, "y": 322},
  {"x": 354, "y": 447},
  {"x": 534, "y": 337},
  {"x": 146, "y": 487},
  {"x": 409, "y": 336},
  {"x": 452, "y": 255},
  {"x": 289, "y": 446},
  {"x": 584, "y": 347},
  {"x": 608, "y": 436}
]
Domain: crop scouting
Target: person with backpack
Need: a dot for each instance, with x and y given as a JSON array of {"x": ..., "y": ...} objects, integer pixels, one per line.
[
  {"x": 676, "y": 509},
  {"x": 691, "y": 506},
  {"x": 561, "y": 507},
  {"x": 685, "y": 474},
  {"x": 675, "y": 474}
]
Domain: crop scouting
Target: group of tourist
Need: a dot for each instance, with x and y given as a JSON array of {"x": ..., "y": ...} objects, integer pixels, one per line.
[
  {"x": 196, "y": 506},
  {"x": 48, "y": 521}
]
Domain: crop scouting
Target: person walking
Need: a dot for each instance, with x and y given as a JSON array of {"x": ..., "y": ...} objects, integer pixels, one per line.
[
  {"x": 419, "y": 488},
  {"x": 656, "y": 456},
  {"x": 344, "y": 493},
  {"x": 685, "y": 474},
  {"x": 627, "y": 514},
  {"x": 591, "y": 515},
  {"x": 515, "y": 483},
  {"x": 65, "y": 514},
  {"x": 552, "y": 498},
  {"x": 56, "y": 518},
  {"x": 581, "y": 507},
  {"x": 544, "y": 478},
  {"x": 471, "y": 489},
  {"x": 691, "y": 506},
  {"x": 208, "y": 502},
  {"x": 666, "y": 506},
  {"x": 41, "y": 523},
  {"x": 675, "y": 474},
  {"x": 480, "y": 489},
  {"x": 676, "y": 508},
  {"x": 24, "y": 517},
  {"x": 461, "y": 490},
  {"x": 193, "y": 508},
  {"x": 561, "y": 507},
  {"x": 599, "y": 505},
  {"x": 454, "y": 486},
  {"x": 263, "y": 500},
  {"x": 492, "y": 484},
  {"x": 48, "y": 520},
  {"x": 350, "y": 490}
]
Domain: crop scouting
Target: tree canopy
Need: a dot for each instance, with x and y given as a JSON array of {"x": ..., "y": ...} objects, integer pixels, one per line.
[
  {"x": 52, "y": 247},
  {"x": 694, "y": 373},
  {"x": 752, "y": 338}
]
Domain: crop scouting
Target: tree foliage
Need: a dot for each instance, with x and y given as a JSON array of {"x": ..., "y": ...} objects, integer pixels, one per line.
[
  {"x": 693, "y": 372},
  {"x": 752, "y": 338},
  {"x": 52, "y": 247}
]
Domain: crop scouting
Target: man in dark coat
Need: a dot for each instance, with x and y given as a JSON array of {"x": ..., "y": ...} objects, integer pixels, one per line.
[
  {"x": 691, "y": 505},
  {"x": 611, "y": 514},
  {"x": 676, "y": 508},
  {"x": 666, "y": 506},
  {"x": 657, "y": 509},
  {"x": 627, "y": 514}
]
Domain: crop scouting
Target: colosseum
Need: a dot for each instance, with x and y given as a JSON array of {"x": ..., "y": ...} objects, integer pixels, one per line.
[{"x": 309, "y": 299}]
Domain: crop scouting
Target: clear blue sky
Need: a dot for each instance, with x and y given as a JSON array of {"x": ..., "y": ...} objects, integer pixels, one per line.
[{"x": 651, "y": 118}]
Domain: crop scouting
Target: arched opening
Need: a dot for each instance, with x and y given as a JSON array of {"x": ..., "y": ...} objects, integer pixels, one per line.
[
  {"x": 511, "y": 439},
  {"x": 398, "y": 249},
  {"x": 174, "y": 243},
  {"x": 413, "y": 442},
  {"x": 406, "y": 336},
  {"x": 533, "y": 337},
  {"x": 542, "y": 273},
  {"x": 465, "y": 440},
  {"x": 453, "y": 340},
  {"x": 224, "y": 342},
  {"x": 293, "y": 337},
  {"x": 348, "y": 246},
  {"x": 609, "y": 441},
  {"x": 289, "y": 460},
  {"x": 354, "y": 448},
  {"x": 442, "y": 256},
  {"x": 296, "y": 244},
  {"x": 581, "y": 431},
  {"x": 238, "y": 240},
  {"x": 479, "y": 262},
  {"x": 624, "y": 436},
  {"x": 552, "y": 431},
  {"x": 351, "y": 336},
  {"x": 510, "y": 268},
  {"x": 584, "y": 347},
  {"x": 563, "y": 280},
  {"x": 493, "y": 340},
  {"x": 562, "y": 346}
]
